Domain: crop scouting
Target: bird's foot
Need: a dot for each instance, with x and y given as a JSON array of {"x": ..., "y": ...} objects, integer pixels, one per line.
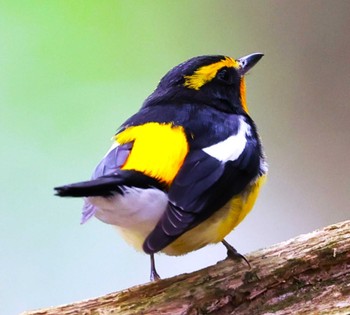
[
  {"x": 154, "y": 274},
  {"x": 233, "y": 254}
]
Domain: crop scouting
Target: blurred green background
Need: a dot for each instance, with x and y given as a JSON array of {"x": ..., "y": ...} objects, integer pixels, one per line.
[{"x": 72, "y": 71}]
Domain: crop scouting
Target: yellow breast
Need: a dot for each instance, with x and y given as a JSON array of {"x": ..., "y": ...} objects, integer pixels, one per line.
[{"x": 215, "y": 228}]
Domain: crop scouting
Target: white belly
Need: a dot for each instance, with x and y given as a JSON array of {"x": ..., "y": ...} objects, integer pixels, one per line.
[{"x": 135, "y": 213}]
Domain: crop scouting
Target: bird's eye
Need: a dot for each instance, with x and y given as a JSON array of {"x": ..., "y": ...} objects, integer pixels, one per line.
[{"x": 224, "y": 76}]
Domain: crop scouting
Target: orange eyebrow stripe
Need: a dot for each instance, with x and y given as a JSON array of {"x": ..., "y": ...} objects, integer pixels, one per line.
[{"x": 207, "y": 73}]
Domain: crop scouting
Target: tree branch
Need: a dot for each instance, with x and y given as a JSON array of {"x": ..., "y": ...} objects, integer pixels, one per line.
[{"x": 309, "y": 274}]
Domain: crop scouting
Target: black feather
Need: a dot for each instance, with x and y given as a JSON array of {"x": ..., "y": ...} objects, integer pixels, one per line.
[
  {"x": 103, "y": 186},
  {"x": 200, "y": 189},
  {"x": 109, "y": 184}
]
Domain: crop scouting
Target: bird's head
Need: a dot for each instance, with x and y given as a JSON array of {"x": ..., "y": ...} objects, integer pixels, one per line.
[{"x": 216, "y": 81}]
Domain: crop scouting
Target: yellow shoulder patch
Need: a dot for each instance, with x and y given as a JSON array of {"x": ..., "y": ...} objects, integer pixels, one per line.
[
  {"x": 158, "y": 150},
  {"x": 207, "y": 73}
]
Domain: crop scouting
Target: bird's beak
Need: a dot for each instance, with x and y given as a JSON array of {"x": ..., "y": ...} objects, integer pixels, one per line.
[{"x": 248, "y": 62}]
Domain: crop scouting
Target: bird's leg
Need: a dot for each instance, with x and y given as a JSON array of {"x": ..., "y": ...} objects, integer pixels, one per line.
[
  {"x": 233, "y": 254},
  {"x": 154, "y": 275}
]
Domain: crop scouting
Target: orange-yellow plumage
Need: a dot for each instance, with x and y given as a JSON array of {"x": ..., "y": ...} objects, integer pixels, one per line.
[
  {"x": 158, "y": 149},
  {"x": 242, "y": 88},
  {"x": 207, "y": 73}
]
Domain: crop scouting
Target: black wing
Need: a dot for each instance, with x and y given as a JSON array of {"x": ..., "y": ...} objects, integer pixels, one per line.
[{"x": 203, "y": 186}]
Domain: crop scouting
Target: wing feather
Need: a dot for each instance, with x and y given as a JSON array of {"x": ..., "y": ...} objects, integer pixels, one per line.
[{"x": 203, "y": 186}]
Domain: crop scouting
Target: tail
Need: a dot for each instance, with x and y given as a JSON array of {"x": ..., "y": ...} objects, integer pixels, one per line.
[
  {"x": 103, "y": 186},
  {"x": 108, "y": 185}
]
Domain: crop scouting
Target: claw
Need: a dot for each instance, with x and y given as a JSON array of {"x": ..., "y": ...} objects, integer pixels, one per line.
[
  {"x": 233, "y": 254},
  {"x": 154, "y": 274}
]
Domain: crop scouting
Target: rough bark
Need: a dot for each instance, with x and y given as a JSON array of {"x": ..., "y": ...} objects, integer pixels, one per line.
[{"x": 309, "y": 274}]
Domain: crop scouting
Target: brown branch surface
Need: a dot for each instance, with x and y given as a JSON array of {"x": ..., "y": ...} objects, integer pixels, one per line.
[{"x": 309, "y": 274}]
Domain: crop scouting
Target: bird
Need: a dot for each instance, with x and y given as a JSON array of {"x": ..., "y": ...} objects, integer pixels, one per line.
[{"x": 185, "y": 169}]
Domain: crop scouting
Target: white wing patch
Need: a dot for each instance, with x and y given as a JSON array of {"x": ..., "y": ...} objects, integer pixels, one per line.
[{"x": 231, "y": 148}]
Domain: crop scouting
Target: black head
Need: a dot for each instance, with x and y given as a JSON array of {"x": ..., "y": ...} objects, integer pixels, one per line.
[{"x": 217, "y": 81}]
